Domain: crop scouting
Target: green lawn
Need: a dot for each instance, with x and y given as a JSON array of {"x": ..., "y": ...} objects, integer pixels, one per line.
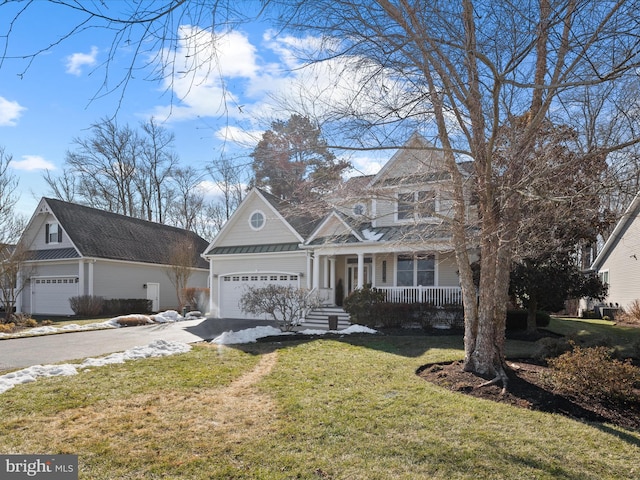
[
  {"x": 350, "y": 408},
  {"x": 625, "y": 339}
]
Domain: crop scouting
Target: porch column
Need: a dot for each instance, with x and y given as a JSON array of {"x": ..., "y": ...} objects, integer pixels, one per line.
[
  {"x": 332, "y": 273},
  {"x": 316, "y": 271},
  {"x": 372, "y": 280},
  {"x": 360, "y": 270},
  {"x": 308, "y": 271},
  {"x": 327, "y": 273},
  {"x": 81, "y": 277},
  {"x": 212, "y": 310},
  {"x": 19, "y": 289},
  {"x": 90, "y": 286}
]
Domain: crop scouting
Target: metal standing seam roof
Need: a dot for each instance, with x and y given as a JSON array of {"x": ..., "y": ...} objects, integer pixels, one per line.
[{"x": 270, "y": 248}]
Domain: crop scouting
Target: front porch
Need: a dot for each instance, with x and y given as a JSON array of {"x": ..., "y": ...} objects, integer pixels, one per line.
[{"x": 427, "y": 278}]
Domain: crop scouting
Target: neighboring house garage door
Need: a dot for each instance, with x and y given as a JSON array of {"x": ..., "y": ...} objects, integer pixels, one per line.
[
  {"x": 50, "y": 295},
  {"x": 233, "y": 286}
]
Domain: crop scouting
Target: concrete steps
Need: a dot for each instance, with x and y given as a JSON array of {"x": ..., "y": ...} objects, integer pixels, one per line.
[{"x": 318, "y": 319}]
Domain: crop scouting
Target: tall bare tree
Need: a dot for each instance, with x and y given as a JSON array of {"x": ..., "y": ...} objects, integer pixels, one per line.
[{"x": 12, "y": 224}]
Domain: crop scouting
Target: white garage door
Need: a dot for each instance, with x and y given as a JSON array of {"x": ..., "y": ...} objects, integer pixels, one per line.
[
  {"x": 233, "y": 286},
  {"x": 50, "y": 295}
]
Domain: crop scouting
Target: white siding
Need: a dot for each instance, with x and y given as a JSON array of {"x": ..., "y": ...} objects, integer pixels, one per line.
[
  {"x": 241, "y": 233},
  {"x": 122, "y": 280},
  {"x": 623, "y": 265},
  {"x": 39, "y": 239},
  {"x": 447, "y": 270}
]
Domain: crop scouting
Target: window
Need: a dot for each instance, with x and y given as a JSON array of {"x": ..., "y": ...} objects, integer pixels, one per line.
[
  {"x": 384, "y": 271},
  {"x": 413, "y": 271},
  {"x": 256, "y": 220},
  {"x": 405, "y": 206},
  {"x": 359, "y": 209},
  {"x": 604, "y": 277},
  {"x": 53, "y": 233},
  {"x": 416, "y": 205}
]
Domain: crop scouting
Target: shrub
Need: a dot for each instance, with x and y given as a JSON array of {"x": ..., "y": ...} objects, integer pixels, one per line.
[
  {"x": 133, "y": 320},
  {"x": 591, "y": 373},
  {"x": 123, "y": 306},
  {"x": 451, "y": 316},
  {"x": 7, "y": 327},
  {"x": 23, "y": 320},
  {"x": 286, "y": 305},
  {"x": 631, "y": 314},
  {"x": 547, "y": 348},
  {"x": 360, "y": 304},
  {"x": 517, "y": 320},
  {"x": 86, "y": 305},
  {"x": 196, "y": 298}
]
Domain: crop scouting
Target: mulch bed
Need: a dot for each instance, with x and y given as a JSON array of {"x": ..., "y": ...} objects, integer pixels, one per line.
[{"x": 526, "y": 389}]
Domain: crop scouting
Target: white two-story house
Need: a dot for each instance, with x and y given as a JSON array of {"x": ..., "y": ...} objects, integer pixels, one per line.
[{"x": 388, "y": 230}]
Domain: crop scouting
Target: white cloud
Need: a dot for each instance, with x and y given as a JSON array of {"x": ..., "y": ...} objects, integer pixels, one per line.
[
  {"x": 239, "y": 136},
  {"x": 76, "y": 61},
  {"x": 203, "y": 62},
  {"x": 32, "y": 162},
  {"x": 9, "y": 112}
]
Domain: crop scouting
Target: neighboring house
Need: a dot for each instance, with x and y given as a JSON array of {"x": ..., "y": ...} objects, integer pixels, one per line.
[
  {"x": 618, "y": 263},
  {"x": 78, "y": 250},
  {"x": 387, "y": 230}
]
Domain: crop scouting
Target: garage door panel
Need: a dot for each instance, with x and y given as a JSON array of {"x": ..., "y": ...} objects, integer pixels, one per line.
[
  {"x": 50, "y": 295},
  {"x": 233, "y": 286}
]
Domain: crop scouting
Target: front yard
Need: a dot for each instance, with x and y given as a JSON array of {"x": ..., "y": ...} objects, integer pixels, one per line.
[{"x": 335, "y": 409}]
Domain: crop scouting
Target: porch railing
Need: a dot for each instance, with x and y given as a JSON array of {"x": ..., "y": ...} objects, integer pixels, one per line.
[{"x": 432, "y": 295}]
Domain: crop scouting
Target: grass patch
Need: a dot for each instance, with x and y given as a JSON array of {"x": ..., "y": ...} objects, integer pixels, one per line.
[
  {"x": 338, "y": 409},
  {"x": 624, "y": 339}
]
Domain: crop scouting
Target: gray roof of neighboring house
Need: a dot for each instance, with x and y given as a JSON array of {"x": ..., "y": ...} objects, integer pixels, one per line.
[{"x": 101, "y": 234}]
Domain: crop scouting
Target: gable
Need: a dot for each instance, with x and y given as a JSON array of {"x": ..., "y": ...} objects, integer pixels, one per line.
[
  {"x": 416, "y": 162},
  {"x": 242, "y": 229},
  {"x": 334, "y": 227}
]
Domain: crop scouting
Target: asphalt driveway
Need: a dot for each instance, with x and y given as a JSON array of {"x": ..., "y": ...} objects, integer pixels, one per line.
[{"x": 24, "y": 352}]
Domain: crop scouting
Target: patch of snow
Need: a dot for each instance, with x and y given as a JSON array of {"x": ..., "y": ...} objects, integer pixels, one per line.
[
  {"x": 158, "y": 348},
  {"x": 371, "y": 235},
  {"x": 169, "y": 316},
  {"x": 249, "y": 335}
]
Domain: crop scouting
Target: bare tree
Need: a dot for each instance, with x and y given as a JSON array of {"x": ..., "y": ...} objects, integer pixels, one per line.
[
  {"x": 286, "y": 305},
  {"x": 181, "y": 261},
  {"x": 12, "y": 257},
  {"x": 471, "y": 69},
  {"x": 228, "y": 179},
  {"x": 156, "y": 167}
]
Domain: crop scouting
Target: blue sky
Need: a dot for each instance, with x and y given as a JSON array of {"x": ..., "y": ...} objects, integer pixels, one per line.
[{"x": 221, "y": 110}]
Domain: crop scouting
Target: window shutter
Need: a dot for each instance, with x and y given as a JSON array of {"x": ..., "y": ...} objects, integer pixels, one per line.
[
  {"x": 46, "y": 233},
  {"x": 59, "y": 234}
]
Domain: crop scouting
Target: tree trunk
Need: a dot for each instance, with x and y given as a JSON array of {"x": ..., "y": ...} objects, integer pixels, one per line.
[{"x": 532, "y": 326}]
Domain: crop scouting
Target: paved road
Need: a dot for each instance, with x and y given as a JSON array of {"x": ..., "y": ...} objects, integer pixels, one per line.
[{"x": 25, "y": 352}]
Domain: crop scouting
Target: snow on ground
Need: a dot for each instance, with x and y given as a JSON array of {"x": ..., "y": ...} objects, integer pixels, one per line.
[
  {"x": 163, "y": 317},
  {"x": 158, "y": 348},
  {"x": 251, "y": 335}
]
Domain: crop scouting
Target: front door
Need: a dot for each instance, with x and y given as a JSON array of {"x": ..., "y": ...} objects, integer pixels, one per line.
[
  {"x": 352, "y": 275},
  {"x": 153, "y": 294}
]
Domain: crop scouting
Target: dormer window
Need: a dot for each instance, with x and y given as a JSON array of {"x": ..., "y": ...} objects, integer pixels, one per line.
[{"x": 53, "y": 233}]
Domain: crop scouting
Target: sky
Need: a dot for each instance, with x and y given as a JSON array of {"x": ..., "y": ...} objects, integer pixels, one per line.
[{"x": 48, "y": 102}]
